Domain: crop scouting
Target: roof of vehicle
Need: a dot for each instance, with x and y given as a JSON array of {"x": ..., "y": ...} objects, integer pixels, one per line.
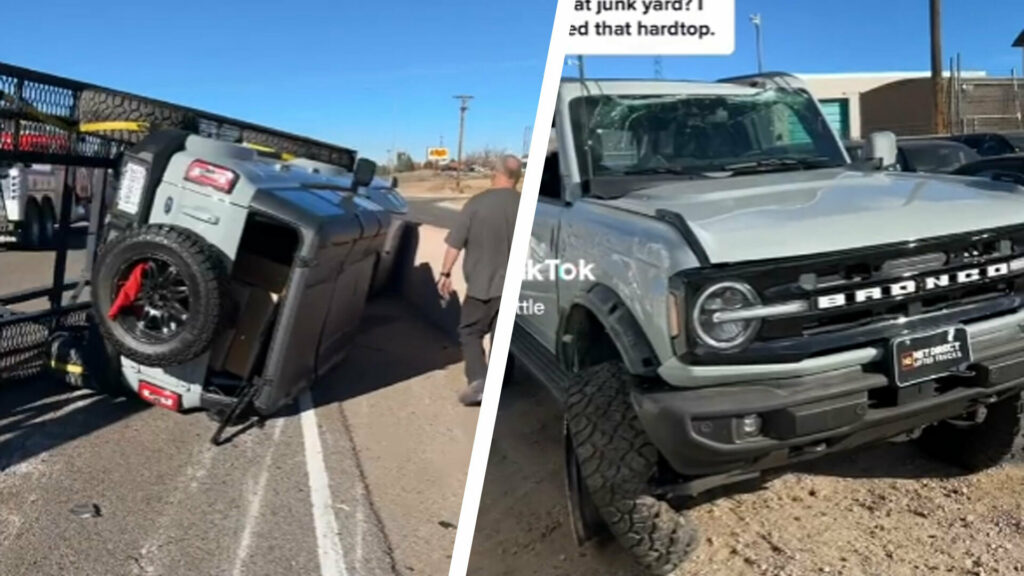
[{"x": 930, "y": 142}]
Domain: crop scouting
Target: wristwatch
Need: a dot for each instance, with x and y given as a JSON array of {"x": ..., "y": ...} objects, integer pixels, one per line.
[{"x": 446, "y": 274}]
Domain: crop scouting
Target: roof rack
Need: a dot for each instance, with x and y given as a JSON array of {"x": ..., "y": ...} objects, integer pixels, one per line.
[{"x": 39, "y": 123}]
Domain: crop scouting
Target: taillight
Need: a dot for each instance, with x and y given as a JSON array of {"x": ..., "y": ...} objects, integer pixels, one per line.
[
  {"x": 217, "y": 177},
  {"x": 159, "y": 397}
]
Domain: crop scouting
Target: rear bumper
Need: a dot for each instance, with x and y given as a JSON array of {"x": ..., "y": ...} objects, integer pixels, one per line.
[{"x": 697, "y": 430}]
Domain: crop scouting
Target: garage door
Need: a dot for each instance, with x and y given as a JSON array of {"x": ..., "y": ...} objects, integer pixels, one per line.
[{"x": 837, "y": 112}]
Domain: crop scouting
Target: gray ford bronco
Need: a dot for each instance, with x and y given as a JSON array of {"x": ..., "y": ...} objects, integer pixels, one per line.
[
  {"x": 753, "y": 299},
  {"x": 227, "y": 281}
]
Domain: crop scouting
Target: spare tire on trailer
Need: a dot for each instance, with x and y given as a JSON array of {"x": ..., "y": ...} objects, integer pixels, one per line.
[
  {"x": 160, "y": 294},
  {"x": 120, "y": 111}
]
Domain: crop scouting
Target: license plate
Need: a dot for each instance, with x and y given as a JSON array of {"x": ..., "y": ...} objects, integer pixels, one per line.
[
  {"x": 925, "y": 356},
  {"x": 129, "y": 195}
]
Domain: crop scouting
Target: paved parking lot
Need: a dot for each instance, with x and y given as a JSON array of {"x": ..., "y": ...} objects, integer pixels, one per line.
[{"x": 365, "y": 476}]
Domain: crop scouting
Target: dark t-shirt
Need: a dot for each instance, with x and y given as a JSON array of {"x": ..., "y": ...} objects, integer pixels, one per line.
[{"x": 484, "y": 230}]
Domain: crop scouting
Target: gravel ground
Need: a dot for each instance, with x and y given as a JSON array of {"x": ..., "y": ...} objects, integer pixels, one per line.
[{"x": 883, "y": 510}]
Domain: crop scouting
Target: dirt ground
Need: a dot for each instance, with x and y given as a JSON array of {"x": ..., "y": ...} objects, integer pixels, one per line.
[
  {"x": 427, "y": 183},
  {"x": 885, "y": 510}
]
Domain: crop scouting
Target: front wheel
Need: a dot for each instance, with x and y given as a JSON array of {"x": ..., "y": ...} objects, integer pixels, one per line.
[
  {"x": 616, "y": 461},
  {"x": 976, "y": 446}
]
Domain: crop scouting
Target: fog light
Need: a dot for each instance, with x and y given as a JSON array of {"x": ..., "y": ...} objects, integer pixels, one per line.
[{"x": 750, "y": 426}]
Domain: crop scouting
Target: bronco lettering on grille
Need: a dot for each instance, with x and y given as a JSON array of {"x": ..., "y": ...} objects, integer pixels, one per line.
[{"x": 909, "y": 286}]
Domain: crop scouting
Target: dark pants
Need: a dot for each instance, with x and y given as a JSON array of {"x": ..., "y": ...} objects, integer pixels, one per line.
[{"x": 477, "y": 320}]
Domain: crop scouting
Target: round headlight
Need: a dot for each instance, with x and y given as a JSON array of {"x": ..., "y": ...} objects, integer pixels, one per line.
[{"x": 721, "y": 297}]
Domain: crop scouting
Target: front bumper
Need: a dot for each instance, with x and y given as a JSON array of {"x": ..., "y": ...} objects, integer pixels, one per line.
[{"x": 698, "y": 430}]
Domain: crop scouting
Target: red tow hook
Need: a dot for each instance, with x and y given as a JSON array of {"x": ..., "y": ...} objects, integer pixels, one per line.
[{"x": 129, "y": 292}]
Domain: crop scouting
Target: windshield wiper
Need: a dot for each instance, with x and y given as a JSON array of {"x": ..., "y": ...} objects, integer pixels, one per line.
[
  {"x": 780, "y": 164},
  {"x": 665, "y": 170}
]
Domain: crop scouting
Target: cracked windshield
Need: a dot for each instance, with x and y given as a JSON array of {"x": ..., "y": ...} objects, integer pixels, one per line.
[{"x": 760, "y": 131}]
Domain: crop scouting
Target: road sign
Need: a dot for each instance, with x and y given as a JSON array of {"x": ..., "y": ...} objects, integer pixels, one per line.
[{"x": 437, "y": 154}]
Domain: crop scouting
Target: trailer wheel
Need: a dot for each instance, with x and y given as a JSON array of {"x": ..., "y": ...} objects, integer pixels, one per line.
[
  {"x": 161, "y": 294},
  {"x": 47, "y": 223},
  {"x": 30, "y": 230},
  {"x": 616, "y": 461},
  {"x": 99, "y": 107}
]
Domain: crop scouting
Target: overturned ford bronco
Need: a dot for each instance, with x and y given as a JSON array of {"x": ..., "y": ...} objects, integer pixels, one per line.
[
  {"x": 754, "y": 299},
  {"x": 226, "y": 280}
]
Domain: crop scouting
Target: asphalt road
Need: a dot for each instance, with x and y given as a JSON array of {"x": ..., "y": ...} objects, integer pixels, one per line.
[{"x": 367, "y": 478}]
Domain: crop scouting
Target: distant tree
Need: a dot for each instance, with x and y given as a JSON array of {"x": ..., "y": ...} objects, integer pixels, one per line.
[{"x": 404, "y": 162}]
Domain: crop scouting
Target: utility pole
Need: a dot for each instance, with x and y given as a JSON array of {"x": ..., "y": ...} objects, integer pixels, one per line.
[
  {"x": 463, "y": 106},
  {"x": 527, "y": 132},
  {"x": 938, "y": 109},
  {"x": 755, "y": 19}
]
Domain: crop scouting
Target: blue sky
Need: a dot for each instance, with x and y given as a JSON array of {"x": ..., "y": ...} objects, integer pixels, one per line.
[
  {"x": 361, "y": 74},
  {"x": 832, "y": 36}
]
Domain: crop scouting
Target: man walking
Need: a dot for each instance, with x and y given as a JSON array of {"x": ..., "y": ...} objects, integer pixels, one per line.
[{"x": 484, "y": 231}]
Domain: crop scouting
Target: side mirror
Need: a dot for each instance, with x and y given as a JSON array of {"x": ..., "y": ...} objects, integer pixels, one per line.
[
  {"x": 364, "y": 172},
  {"x": 394, "y": 182},
  {"x": 881, "y": 147}
]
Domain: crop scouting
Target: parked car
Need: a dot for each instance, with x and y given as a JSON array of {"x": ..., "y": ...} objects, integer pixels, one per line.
[
  {"x": 920, "y": 155},
  {"x": 224, "y": 280},
  {"x": 753, "y": 300},
  {"x": 939, "y": 156},
  {"x": 1009, "y": 168},
  {"x": 988, "y": 143}
]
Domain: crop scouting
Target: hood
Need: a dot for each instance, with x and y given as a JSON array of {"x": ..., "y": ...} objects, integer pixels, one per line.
[{"x": 790, "y": 214}]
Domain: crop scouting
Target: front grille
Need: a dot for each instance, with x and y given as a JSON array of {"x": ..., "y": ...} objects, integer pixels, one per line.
[{"x": 855, "y": 323}]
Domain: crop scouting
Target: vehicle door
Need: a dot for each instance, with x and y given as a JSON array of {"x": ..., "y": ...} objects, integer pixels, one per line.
[{"x": 538, "y": 295}]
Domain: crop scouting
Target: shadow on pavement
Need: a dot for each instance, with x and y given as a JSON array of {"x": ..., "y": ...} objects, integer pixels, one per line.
[
  {"x": 393, "y": 346},
  {"x": 43, "y": 413},
  {"x": 417, "y": 283}
]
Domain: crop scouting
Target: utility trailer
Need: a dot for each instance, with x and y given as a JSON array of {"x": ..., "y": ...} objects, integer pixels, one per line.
[{"x": 47, "y": 120}]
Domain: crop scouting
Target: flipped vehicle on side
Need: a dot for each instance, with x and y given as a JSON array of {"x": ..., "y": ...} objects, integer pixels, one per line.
[
  {"x": 921, "y": 154},
  {"x": 755, "y": 299},
  {"x": 225, "y": 281},
  {"x": 384, "y": 193}
]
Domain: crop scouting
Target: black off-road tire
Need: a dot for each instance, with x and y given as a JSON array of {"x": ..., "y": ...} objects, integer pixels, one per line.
[
  {"x": 103, "y": 106},
  {"x": 47, "y": 224},
  {"x": 979, "y": 446},
  {"x": 280, "y": 144},
  {"x": 30, "y": 234},
  {"x": 616, "y": 461},
  {"x": 205, "y": 273}
]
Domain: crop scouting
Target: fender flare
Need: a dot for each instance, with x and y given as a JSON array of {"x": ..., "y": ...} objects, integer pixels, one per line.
[{"x": 605, "y": 304}]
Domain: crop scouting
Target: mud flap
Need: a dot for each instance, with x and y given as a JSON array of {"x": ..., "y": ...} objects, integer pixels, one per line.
[{"x": 586, "y": 521}]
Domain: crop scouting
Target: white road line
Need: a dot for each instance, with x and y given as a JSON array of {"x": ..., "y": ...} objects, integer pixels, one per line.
[
  {"x": 332, "y": 559},
  {"x": 254, "y": 504}
]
